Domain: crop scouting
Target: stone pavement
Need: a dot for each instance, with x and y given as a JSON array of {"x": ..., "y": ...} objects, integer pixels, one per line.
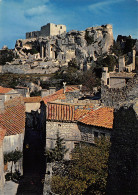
[{"x": 10, "y": 188}]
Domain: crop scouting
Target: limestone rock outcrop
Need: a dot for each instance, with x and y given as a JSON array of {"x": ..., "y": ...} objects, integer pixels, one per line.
[{"x": 59, "y": 49}]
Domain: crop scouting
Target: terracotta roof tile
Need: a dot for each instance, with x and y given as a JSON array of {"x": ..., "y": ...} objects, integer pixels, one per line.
[
  {"x": 60, "y": 112},
  {"x": 79, "y": 113},
  {"x": 53, "y": 97},
  {"x": 35, "y": 99},
  {"x": 4, "y": 90},
  {"x": 13, "y": 119},
  {"x": 2, "y": 134},
  {"x": 59, "y": 94},
  {"x": 102, "y": 117}
]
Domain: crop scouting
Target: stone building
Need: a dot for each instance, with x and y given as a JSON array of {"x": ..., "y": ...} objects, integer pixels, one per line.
[
  {"x": 13, "y": 120},
  {"x": 49, "y": 29},
  {"x": 2, "y": 178},
  {"x": 119, "y": 77},
  {"x": 24, "y": 91},
  {"x": 32, "y": 103},
  {"x": 67, "y": 116},
  {"x": 7, "y": 94},
  {"x": 96, "y": 123}
]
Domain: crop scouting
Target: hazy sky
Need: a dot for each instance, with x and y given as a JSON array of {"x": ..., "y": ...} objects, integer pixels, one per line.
[{"x": 20, "y": 16}]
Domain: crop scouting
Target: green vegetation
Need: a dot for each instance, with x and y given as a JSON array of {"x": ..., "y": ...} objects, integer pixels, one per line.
[
  {"x": 57, "y": 153},
  {"x": 87, "y": 173},
  {"x": 35, "y": 93},
  {"x": 120, "y": 49},
  {"x": 73, "y": 76},
  {"x": 129, "y": 45},
  {"x": 12, "y": 157},
  {"x": 110, "y": 61},
  {"x": 88, "y": 38},
  {"x": 12, "y": 80},
  {"x": 6, "y": 56}
]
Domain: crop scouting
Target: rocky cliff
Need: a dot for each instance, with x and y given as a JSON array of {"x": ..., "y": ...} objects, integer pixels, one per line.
[{"x": 58, "y": 50}]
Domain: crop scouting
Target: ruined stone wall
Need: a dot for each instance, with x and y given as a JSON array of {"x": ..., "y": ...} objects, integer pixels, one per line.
[
  {"x": 120, "y": 96},
  {"x": 117, "y": 82},
  {"x": 71, "y": 95}
]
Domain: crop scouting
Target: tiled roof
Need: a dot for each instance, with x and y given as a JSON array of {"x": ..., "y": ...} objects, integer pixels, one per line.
[
  {"x": 60, "y": 112},
  {"x": 79, "y": 113},
  {"x": 4, "y": 90},
  {"x": 53, "y": 97},
  {"x": 67, "y": 89},
  {"x": 35, "y": 99},
  {"x": 2, "y": 134},
  {"x": 13, "y": 119},
  {"x": 58, "y": 95},
  {"x": 102, "y": 117}
]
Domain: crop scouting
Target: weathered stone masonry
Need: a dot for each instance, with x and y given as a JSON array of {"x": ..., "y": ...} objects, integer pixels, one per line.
[{"x": 118, "y": 97}]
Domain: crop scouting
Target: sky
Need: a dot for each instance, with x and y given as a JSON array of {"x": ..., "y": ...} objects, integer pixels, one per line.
[{"x": 20, "y": 16}]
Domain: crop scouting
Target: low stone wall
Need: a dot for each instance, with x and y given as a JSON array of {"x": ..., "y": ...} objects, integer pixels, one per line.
[
  {"x": 120, "y": 96},
  {"x": 2, "y": 180}
]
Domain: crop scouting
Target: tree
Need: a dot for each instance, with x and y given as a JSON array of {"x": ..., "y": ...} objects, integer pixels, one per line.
[
  {"x": 87, "y": 173},
  {"x": 12, "y": 157},
  {"x": 57, "y": 153},
  {"x": 89, "y": 81},
  {"x": 6, "y": 56},
  {"x": 73, "y": 64}
]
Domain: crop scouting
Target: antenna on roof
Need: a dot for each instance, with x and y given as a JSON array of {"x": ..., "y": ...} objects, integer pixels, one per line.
[{"x": 64, "y": 86}]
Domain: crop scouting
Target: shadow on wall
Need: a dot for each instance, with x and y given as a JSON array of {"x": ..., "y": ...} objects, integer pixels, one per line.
[
  {"x": 34, "y": 161},
  {"x": 123, "y": 159}
]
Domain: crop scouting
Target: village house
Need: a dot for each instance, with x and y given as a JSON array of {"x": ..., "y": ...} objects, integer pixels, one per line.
[
  {"x": 32, "y": 103},
  {"x": 2, "y": 178},
  {"x": 119, "y": 77},
  {"x": 96, "y": 123},
  {"x": 12, "y": 119},
  {"x": 74, "y": 121},
  {"x": 7, "y": 94},
  {"x": 24, "y": 91}
]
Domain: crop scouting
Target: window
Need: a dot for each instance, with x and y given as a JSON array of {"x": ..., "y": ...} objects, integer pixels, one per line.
[
  {"x": 76, "y": 145},
  {"x": 60, "y": 27},
  {"x": 107, "y": 81},
  {"x": 95, "y": 135}
]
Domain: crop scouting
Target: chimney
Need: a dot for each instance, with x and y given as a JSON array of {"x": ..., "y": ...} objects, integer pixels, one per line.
[
  {"x": 44, "y": 92},
  {"x": 64, "y": 86},
  {"x": 52, "y": 90}
]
